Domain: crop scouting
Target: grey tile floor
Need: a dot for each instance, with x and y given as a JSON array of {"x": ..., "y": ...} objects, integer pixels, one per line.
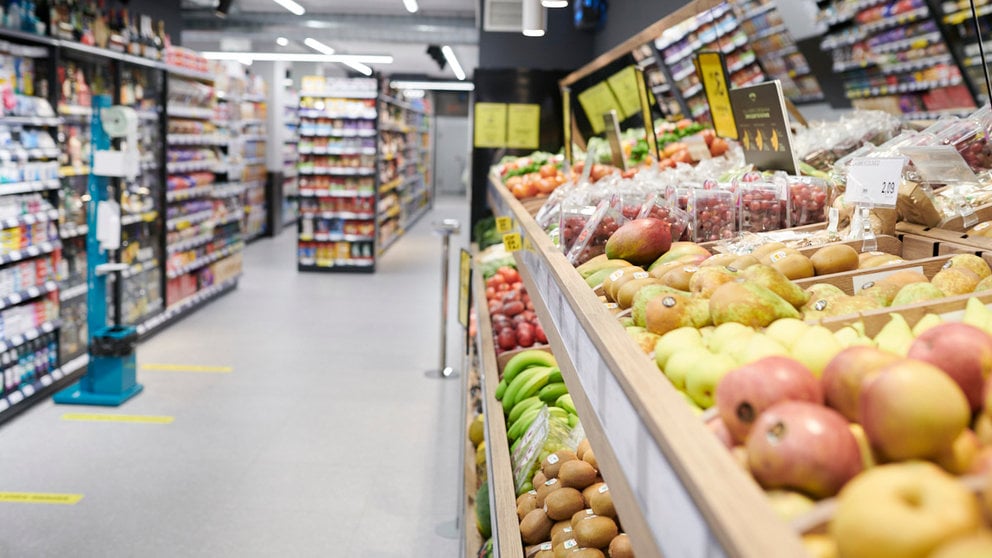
[{"x": 325, "y": 440}]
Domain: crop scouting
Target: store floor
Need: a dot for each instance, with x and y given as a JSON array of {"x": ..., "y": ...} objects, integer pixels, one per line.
[{"x": 326, "y": 439}]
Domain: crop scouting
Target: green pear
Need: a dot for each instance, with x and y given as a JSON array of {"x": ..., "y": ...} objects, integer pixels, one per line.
[
  {"x": 882, "y": 291},
  {"x": 984, "y": 285},
  {"x": 724, "y": 333},
  {"x": 917, "y": 292},
  {"x": 847, "y": 336},
  {"x": 776, "y": 282},
  {"x": 644, "y": 338},
  {"x": 681, "y": 364},
  {"x": 692, "y": 404},
  {"x": 707, "y": 279},
  {"x": 749, "y": 304},
  {"x": 638, "y": 310},
  {"x": 824, "y": 290},
  {"x": 761, "y": 345},
  {"x": 671, "y": 311},
  {"x": 627, "y": 322},
  {"x": 786, "y": 331},
  {"x": 815, "y": 348},
  {"x": 975, "y": 313},
  {"x": 895, "y": 336},
  {"x": 932, "y": 320},
  {"x": 702, "y": 380},
  {"x": 675, "y": 341}
]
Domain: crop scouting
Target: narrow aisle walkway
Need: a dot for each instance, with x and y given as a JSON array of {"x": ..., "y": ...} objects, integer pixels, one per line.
[{"x": 326, "y": 439}]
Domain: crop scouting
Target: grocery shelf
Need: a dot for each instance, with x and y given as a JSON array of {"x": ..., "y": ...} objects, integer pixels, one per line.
[
  {"x": 18, "y": 297},
  {"x": 371, "y": 94},
  {"x": 339, "y": 133},
  {"x": 29, "y": 219},
  {"x": 306, "y": 193},
  {"x": 205, "y": 260},
  {"x": 314, "y": 150},
  {"x": 197, "y": 139},
  {"x": 338, "y": 171},
  {"x": 184, "y": 307},
  {"x": 73, "y": 292},
  {"x": 186, "y": 111},
  {"x": 70, "y": 171},
  {"x": 916, "y": 42},
  {"x": 174, "y": 167},
  {"x": 72, "y": 230},
  {"x": 755, "y": 12},
  {"x": 339, "y": 265},
  {"x": 186, "y": 221},
  {"x": 403, "y": 105},
  {"x": 29, "y": 252},
  {"x": 230, "y": 218},
  {"x": 14, "y": 120},
  {"x": 189, "y": 193},
  {"x": 328, "y": 237},
  {"x": 135, "y": 218},
  {"x": 73, "y": 110},
  {"x": 315, "y": 114},
  {"x": 190, "y": 243},
  {"x": 20, "y": 399},
  {"x": 677, "y": 488},
  {"x": 31, "y": 334},
  {"x": 228, "y": 190},
  {"x": 336, "y": 215}
]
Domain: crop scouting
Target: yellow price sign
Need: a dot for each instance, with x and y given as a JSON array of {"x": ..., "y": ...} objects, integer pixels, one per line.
[
  {"x": 504, "y": 224},
  {"x": 490, "y": 125},
  {"x": 512, "y": 242},
  {"x": 464, "y": 284},
  {"x": 713, "y": 72},
  {"x": 624, "y": 86}
]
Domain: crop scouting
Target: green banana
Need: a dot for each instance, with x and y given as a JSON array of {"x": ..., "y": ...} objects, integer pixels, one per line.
[
  {"x": 527, "y": 359},
  {"x": 532, "y": 385},
  {"x": 573, "y": 421},
  {"x": 510, "y": 397},
  {"x": 555, "y": 376},
  {"x": 552, "y": 391},
  {"x": 558, "y": 412},
  {"x": 513, "y": 448},
  {"x": 522, "y": 424},
  {"x": 519, "y": 408},
  {"x": 500, "y": 389},
  {"x": 565, "y": 402}
]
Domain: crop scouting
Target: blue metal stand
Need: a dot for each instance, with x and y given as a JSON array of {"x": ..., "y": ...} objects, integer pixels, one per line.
[{"x": 111, "y": 377}]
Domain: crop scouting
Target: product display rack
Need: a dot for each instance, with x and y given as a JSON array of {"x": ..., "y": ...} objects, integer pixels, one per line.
[
  {"x": 290, "y": 160},
  {"x": 337, "y": 175},
  {"x": 404, "y": 167},
  {"x": 246, "y": 155},
  {"x": 894, "y": 56},
  {"x": 956, "y": 18},
  {"x": 777, "y": 51}
]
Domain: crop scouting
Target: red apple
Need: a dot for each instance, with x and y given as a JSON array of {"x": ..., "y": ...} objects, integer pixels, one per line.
[
  {"x": 744, "y": 393},
  {"x": 963, "y": 351},
  {"x": 803, "y": 446},
  {"x": 719, "y": 429},
  {"x": 845, "y": 375},
  {"x": 913, "y": 410}
]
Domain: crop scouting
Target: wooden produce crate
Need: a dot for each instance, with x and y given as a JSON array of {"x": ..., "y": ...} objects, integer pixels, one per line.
[{"x": 678, "y": 490}]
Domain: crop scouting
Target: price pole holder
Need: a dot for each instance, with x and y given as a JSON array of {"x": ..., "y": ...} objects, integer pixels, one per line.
[
  {"x": 650, "y": 137},
  {"x": 612, "y": 122},
  {"x": 566, "y": 114},
  {"x": 872, "y": 182}
]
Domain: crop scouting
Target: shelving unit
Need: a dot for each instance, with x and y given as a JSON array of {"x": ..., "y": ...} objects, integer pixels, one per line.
[
  {"x": 956, "y": 18},
  {"x": 337, "y": 116},
  {"x": 290, "y": 160},
  {"x": 404, "y": 163},
  {"x": 246, "y": 109},
  {"x": 894, "y": 56}
]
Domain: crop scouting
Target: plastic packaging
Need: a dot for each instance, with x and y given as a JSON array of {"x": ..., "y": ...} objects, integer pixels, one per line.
[
  {"x": 712, "y": 214},
  {"x": 760, "y": 206},
  {"x": 808, "y": 199},
  {"x": 546, "y": 435},
  {"x": 591, "y": 241}
]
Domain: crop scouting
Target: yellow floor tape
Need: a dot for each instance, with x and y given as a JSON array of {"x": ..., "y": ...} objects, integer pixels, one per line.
[
  {"x": 40, "y": 498},
  {"x": 186, "y": 368},
  {"x": 96, "y": 417}
]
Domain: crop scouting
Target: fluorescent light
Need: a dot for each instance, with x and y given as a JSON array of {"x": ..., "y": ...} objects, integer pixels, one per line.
[
  {"x": 292, "y": 6},
  {"x": 449, "y": 55},
  {"x": 318, "y": 46},
  {"x": 411, "y": 6},
  {"x": 298, "y": 57},
  {"x": 359, "y": 67},
  {"x": 435, "y": 85},
  {"x": 533, "y": 18},
  {"x": 533, "y": 32},
  {"x": 282, "y": 41},
  {"x": 554, "y": 3}
]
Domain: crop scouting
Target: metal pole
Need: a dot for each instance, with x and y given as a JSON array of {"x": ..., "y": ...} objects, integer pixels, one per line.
[{"x": 445, "y": 228}]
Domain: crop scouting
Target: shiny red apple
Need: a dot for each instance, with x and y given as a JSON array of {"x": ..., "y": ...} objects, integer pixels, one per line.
[
  {"x": 845, "y": 375},
  {"x": 963, "y": 351}
]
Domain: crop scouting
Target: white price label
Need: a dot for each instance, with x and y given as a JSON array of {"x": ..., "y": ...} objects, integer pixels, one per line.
[
  {"x": 874, "y": 180},
  {"x": 940, "y": 164}
]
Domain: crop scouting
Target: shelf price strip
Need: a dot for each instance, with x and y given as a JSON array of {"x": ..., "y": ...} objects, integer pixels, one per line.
[{"x": 40, "y": 498}]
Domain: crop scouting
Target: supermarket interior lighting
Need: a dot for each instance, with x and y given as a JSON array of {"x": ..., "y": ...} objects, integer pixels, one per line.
[
  {"x": 318, "y": 46},
  {"x": 282, "y": 41},
  {"x": 554, "y": 3},
  {"x": 359, "y": 67},
  {"x": 449, "y": 55},
  {"x": 533, "y": 18},
  {"x": 411, "y": 6},
  {"x": 435, "y": 85},
  {"x": 292, "y": 6},
  {"x": 298, "y": 57}
]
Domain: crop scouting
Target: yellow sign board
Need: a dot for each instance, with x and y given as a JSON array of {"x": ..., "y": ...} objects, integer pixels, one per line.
[
  {"x": 597, "y": 101},
  {"x": 464, "y": 287},
  {"x": 490, "y": 125},
  {"x": 504, "y": 224},
  {"x": 566, "y": 112},
  {"x": 523, "y": 126},
  {"x": 40, "y": 498},
  {"x": 714, "y": 76},
  {"x": 512, "y": 242},
  {"x": 101, "y": 417},
  {"x": 624, "y": 86},
  {"x": 642, "y": 95}
]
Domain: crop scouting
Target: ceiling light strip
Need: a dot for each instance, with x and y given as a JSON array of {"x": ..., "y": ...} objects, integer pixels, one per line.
[
  {"x": 299, "y": 57},
  {"x": 292, "y": 6},
  {"x": 435, "y": 85},
  {"x": 411, "y": 6},
  {"x": 449, "y": 55}
]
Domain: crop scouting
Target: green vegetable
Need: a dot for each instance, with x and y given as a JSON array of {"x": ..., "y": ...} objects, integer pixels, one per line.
[
  {"x": 488, "y": 268},
  {"x": 483, "y": 519}
]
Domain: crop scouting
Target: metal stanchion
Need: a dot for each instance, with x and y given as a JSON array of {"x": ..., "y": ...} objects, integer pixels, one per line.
[{"x": 445, "y": 228}]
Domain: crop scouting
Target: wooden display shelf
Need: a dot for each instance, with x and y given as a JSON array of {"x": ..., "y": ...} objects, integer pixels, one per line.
[{"x": 678, "y": 489}]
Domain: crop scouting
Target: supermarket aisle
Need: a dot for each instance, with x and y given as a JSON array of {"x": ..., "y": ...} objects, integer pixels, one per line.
[{"x": 325, "y": 440}]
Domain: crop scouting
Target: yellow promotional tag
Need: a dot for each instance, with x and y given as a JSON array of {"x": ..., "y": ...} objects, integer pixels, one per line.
[
  {"x": 504, "y": 224},
  {"x": 40, "y": 498},
  {"x": 713, "y": 73},
  {"x": 512, "y": 242}
]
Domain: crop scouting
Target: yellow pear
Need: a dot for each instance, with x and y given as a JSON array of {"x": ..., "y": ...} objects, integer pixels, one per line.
[
  {"x": 815, "y": 348},
  {"x": 895, "y": 336}
]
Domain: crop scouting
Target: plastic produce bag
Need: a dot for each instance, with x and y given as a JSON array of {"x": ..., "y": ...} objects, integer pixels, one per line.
[
  {"x": 591, "y": 241},
  {"x": 658, "y": 207},
  {"x": 546, "y": 435}
]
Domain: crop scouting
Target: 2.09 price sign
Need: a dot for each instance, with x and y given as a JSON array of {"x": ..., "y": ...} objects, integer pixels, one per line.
[{"x": 874, "y": 181}]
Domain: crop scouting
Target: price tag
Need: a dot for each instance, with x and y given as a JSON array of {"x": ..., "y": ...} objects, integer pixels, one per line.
[
  {"x": 504, "y": 224},
  {"x": 874, "y": 180},
  {"x": 941, "y": 164},
  {"x": 512, "y": 242}
]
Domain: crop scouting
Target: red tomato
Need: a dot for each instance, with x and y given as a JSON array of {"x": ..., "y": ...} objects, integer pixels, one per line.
[
  {"x": 495, "y": 280},
  {"x": 549, "y": 170},
  {"x": 510, "y": 274}
]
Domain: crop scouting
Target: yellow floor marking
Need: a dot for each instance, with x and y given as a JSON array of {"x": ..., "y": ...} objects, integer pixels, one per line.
[
  {"x": 187, "y": 368},
  {"x": 96, "y": 417},
  {"x": 40, "y": 498}
]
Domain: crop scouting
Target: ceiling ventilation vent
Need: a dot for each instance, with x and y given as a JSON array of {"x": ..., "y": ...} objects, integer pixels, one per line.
[{"x": 503, "y": 16}]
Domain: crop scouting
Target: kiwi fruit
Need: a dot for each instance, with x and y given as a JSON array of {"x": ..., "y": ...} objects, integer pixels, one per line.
[
  {"x": 836, "y": 258},
  {"x": 590, "y": 490},
  {"x": 879, "y": 261},
  {"x": 563, "y": 503},
  {"x": 546, "y": 488},
  {"x": 581, "y": 450},
  {"x": 590, "y": 458},
  {"x": 535, "y": 527},
  {"x": 620, "y": 547},
  {"x": 762, "y": 252},
  {"x": 553, "y": 462},
  {"x": 540, "y": 478},
  {"x": 534, "y": 551},
  {"x": 719, "y": 259},
  {"x": 794, "y": 266},
  {"x": 544, "y": 554},
  {"x": 566, "y": 548},
  {"x": 595, "y": 532},
  {"x": 865, "y": 256},
  {"x": 526, "y": 503},
  {"x": 587, "y": 553},
  {"x": 602, "y": 503},
  {"x": 576, "y": 474},
  {"x": 743, "y": 262},
  {"x": 679, "y": 277},
  {"x": 562, "y": 535}
]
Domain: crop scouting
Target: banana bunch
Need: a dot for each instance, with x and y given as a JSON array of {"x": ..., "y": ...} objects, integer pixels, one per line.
[{"x": 531, "y": 381}]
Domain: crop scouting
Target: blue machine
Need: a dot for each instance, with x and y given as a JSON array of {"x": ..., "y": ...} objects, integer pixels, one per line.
[{"x": 111, "y": 377}]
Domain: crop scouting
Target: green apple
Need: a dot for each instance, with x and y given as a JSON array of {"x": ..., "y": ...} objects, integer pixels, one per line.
[
  {"x": 760, "y": 346},
  {"x": 692, "y": 404},
  {"x": 896, "y": 336},
  {"x": 786, "y": 331},
  {"x": 789, "y": 504},
  {"x": 815, "y": 348},
  {"x": 702, "y": 379},
  {"x": 674, "y": 341},
  {"x": 725, "y": 333},
  {"x": 933, "y": 320},
  {"x": 902, "y": 510},
  {"x": 681, "y": 364}
]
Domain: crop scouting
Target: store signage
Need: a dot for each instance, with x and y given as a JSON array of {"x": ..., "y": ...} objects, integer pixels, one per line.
[
  {"x": 642, "y": 94},
  {"x": 490, "y": 125},
  {"x": 523, "y": 126},
  {"x": 763, "y": 127},
  {"x": 566, "y": 113},
  {"x": 40, "y": 498},
  {"x": 712, "y": 70},
  {"x": 624, "y": 86},
  {"x": 504, "y": 224},
  {"x": 597, "y": 101},
  {"x": 941, "y": 164},
  {"x": 874, "y": 181},
  {"x": 464, "y": 287},
  {"x": 512, "y": 242}
]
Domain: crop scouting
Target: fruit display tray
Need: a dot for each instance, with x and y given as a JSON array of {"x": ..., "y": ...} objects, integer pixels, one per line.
[{"x": 679, "y": 491}]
